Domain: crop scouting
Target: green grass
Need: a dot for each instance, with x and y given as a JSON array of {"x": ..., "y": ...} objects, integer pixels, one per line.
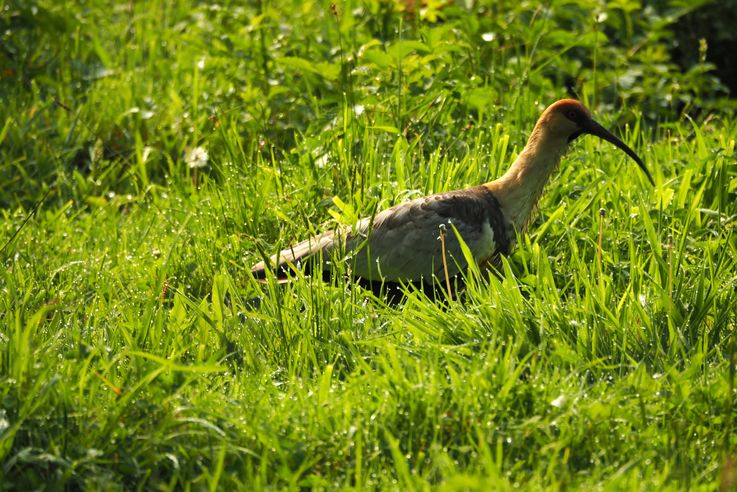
[{"x": 137, "y": 352}]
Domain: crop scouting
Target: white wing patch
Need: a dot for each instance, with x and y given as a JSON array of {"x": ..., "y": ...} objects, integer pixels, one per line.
[{"x": 486, "y": 247}]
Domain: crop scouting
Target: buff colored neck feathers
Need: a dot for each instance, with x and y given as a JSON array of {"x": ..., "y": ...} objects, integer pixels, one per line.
[{"x": 520, "y": 188}]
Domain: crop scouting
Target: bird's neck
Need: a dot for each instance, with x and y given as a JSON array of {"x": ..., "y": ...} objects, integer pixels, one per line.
[{"x": 519, "y": 189}]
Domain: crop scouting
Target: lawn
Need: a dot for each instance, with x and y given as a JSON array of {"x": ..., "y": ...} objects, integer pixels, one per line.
[{"x": 152, "y": 152}]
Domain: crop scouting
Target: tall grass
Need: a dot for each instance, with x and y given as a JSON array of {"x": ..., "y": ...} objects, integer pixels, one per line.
[{"x": 137, "y": 351}]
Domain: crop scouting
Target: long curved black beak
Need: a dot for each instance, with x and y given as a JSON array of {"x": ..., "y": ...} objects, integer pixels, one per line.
[{"x": 593, "y": 128}]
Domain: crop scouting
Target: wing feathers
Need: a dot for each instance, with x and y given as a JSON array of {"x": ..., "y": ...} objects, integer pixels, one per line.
[{"x": 402, "y": 243}]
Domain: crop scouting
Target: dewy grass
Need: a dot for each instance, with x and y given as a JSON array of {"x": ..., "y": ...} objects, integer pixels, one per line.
[{"x": 137, "y": 351}]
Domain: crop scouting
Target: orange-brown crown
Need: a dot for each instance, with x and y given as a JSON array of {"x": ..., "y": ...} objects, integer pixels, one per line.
[{"x": 571, "y": 108}]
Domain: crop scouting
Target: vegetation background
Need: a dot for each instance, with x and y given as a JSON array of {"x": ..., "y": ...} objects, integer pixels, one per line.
[{"x": 150, "y": 152}]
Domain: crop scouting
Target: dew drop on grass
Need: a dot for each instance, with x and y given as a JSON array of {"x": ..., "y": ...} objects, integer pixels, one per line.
[
  {"x": 4, "y": 423},
  {"x": 93, "y": 453},
  {"x": 559, "y": 402}
]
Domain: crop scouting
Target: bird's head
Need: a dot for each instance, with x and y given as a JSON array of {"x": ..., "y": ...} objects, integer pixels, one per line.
[{"x": 569, "y": 119}]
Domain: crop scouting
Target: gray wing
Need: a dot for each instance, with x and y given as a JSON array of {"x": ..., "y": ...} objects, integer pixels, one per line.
[{"x": 403, "y": 242}]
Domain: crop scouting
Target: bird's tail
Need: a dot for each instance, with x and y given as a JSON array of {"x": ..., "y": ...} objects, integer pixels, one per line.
[{"x": 288, "y": 259}]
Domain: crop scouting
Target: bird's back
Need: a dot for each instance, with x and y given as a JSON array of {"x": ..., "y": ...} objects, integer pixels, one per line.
[{"x": 402, "y": 243}]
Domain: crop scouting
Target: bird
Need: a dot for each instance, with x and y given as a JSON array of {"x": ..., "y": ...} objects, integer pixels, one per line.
[{"x": 418, "y": 242}]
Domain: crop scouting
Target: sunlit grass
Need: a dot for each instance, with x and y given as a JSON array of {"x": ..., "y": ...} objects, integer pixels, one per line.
[{"x": 137, "y": 351}]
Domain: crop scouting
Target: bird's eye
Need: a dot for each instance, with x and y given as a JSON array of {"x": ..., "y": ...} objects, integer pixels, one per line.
[{"x": 572, "y": 115}]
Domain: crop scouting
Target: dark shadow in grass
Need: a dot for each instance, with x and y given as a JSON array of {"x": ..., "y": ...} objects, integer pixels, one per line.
[{"x": 393, "y": 294}]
